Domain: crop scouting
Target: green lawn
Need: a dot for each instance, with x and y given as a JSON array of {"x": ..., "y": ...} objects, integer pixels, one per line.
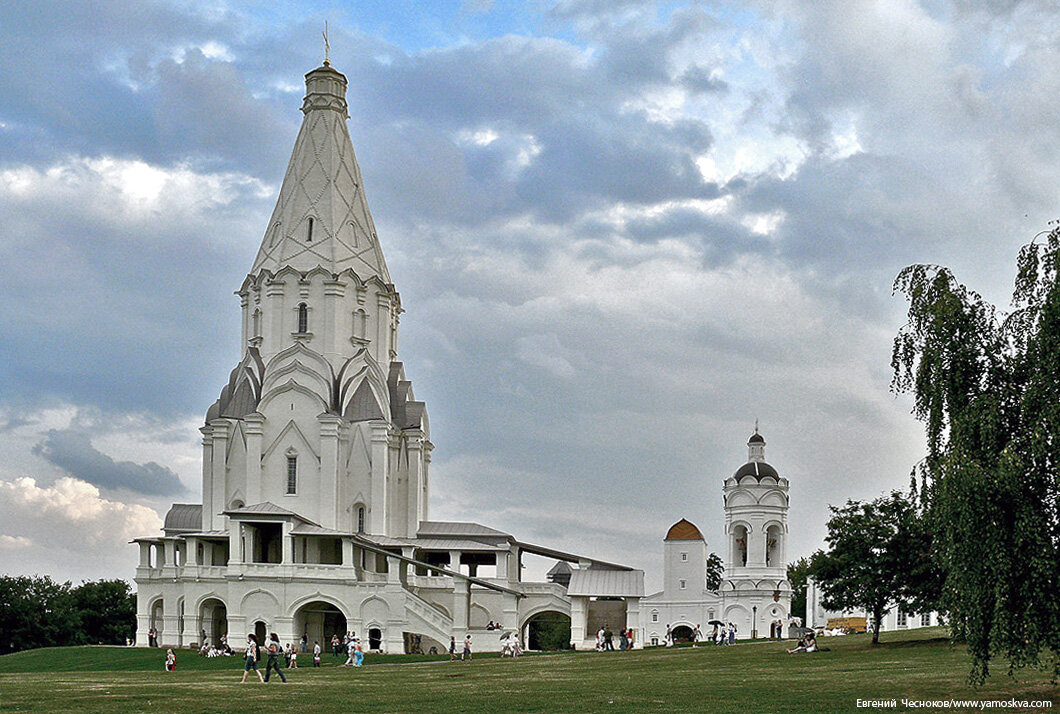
[{"x": 755, "y": 677}]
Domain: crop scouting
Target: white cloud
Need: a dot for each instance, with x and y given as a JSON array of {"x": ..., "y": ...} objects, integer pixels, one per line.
[{"x": 74, "y": 531}]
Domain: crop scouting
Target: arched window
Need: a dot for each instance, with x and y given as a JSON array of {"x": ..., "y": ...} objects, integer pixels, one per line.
[
  {"x": 739, "y": 545},
  {"x": 773, "y": 542},
  {"x": 303, "y": 318},
  {"x": 256, "y": 324},
  {"x": 292, "y": 474},
  {"x": 309, "y": 233},
  {"x": 360, "y": 324},
  {"x": 360, "y": 519}
]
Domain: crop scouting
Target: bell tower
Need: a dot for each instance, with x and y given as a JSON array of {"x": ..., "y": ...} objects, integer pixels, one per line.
[{"x": 756, "y": 517}]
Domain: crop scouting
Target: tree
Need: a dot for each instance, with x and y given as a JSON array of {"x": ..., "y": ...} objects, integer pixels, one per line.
[
  {"x": 871, "y": 560},
  {"x": 36, "y": 612},
  {"x": 715, "y": 568},
  {"x": 987, "y": 388},
  {"x": 107, "y": 612},
  {"x": 797, "y": 573}
]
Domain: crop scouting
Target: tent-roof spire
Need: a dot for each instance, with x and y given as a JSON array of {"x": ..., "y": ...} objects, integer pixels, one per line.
[{"x": 321, "y": 216}]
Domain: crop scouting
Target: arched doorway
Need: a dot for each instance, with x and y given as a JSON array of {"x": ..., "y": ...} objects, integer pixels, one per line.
[
  {"x": 548, "y": 631},
  {"x": 157, "y": 613},
  {"x": 214, "y": 618},
  {"x": 319, "y": 621},
  {"x": 375, "y": 638},
  {"x": 260, "y": 631},
  {"x": 681, "y": 633}
]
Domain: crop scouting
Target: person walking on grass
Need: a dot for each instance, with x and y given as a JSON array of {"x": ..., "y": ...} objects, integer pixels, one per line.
[
  {"x": 316, "y": 653},
  {"x": 350, "y": 647},
  {"x": 293, "y": 664},
  {"x": 467, "y": 649},
  {"x": 275, "y": 651},
  {"x": 171, "y": 661},
  {"x": 250, "y": 660},
  {"x": 452, "y": 647},
  {"x": 358, "y": 652}
]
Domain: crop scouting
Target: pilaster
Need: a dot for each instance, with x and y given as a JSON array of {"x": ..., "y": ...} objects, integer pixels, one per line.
[{"x": 254, "y": 427}]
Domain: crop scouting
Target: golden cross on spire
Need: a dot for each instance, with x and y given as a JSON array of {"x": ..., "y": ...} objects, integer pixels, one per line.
[{"x": 327, "y": 46}]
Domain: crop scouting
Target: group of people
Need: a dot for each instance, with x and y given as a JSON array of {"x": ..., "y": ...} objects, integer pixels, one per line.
[
  {"x": 722, "y": 634},
  {"x": 252, "y": 656},
  {"x": 220, "y": 650},
  {"x": 467, "y": 648},
  {"x": 605, "y": 639}
]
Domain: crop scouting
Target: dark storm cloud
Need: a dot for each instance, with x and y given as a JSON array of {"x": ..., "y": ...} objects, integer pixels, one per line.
[{"x": 73, "y": 452}]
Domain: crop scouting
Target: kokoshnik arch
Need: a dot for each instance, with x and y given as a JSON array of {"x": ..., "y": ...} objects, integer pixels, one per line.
[{"x": 316, "y": 458}]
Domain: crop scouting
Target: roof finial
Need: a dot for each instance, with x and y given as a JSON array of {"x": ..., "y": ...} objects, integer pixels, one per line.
[
  {"x": 756, "y": 425},
  {"x": 327, "y": 46}
]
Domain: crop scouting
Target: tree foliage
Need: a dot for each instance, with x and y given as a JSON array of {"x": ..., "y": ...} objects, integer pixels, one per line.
[
  {"x": 797, "y": 573},
  {"x": 875, "y": 558},
  {"x": 987, "y": 388},
  {"x": 715, "y": 569},
  {"x": 39, "y": 612}
]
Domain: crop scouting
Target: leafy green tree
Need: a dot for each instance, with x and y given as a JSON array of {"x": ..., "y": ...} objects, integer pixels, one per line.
[
  {"x": 797, "y": 574},
  {"x": 36, "y": 612},
  {"x": 987, "y": 388},
  {"x": 871, "y": 558},
  {"x": 107, "y": 612},
  {"x": 715, "y": 568}
]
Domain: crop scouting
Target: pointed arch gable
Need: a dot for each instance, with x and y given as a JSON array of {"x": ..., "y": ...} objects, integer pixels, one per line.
[
  {"x": 299, "y": 350},
  {"x": 296, "y": 368},
  {"x": 292, "y": 386},
  {"x": 291, "y": 427}
]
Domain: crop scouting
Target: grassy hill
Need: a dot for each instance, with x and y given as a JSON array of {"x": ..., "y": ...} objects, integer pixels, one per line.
[{"x": 754, "y": 677}]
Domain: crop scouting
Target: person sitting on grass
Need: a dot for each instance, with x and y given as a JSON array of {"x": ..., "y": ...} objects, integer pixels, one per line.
[{"x": 808, "y": 644}]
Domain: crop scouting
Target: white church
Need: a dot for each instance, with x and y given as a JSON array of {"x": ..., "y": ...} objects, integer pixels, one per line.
[
  {"x": 316, "y": 461},
  {"x": 755, "y": 594}
]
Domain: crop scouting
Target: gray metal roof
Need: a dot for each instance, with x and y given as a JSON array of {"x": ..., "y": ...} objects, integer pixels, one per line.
[
  {"x": 314, "y": 529},
  {"x": 600, "y": 582},
  {"x": 434, "y": 529},
  {"x": 183, "y": 518}
]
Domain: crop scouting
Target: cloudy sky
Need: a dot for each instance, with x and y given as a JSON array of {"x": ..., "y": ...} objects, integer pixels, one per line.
[{"x": 622, "y": 231}]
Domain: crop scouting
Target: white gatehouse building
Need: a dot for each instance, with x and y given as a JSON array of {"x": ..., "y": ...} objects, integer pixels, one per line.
[
  {"x": 754, "y": 594},
  {"x": 316, "y": 460}
]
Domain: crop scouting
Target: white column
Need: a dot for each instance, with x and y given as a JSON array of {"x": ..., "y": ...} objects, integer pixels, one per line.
[
  {"x": 414, "y": 444},
  {"x": 633, "y": 621},
  {"x": 579, "y": 612},
  {"x": 235, "y": 543},
  {"x": 254, "y": 425},
  {"x": 378, "y": 505},
  {"x": 219, "y": 458},
  {"x": 208, "y": 507},
  {"x": 330, "y": 504},
  {"x": 335, "y": 335},
  {"x": 286, "y": 543},
  {"x": 170, "y": 635},
  {"x": 461, "y": 608}
]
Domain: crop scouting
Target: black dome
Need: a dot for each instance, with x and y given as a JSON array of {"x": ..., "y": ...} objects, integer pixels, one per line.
[
  {"x": 756, "y": 438},
  {"x": 758, "y": 469}
]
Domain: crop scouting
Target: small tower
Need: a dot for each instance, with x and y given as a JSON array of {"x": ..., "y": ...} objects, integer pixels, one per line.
[
  {"x": 684, "y": 562},
  {"x": 756, "y": 517}
]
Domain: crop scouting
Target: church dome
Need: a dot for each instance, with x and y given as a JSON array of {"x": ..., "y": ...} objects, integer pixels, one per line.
[
  {"x": 756, "y": 438},
  {"x": 758, "y": 469},
  {"x": 683, "y": 530}
]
